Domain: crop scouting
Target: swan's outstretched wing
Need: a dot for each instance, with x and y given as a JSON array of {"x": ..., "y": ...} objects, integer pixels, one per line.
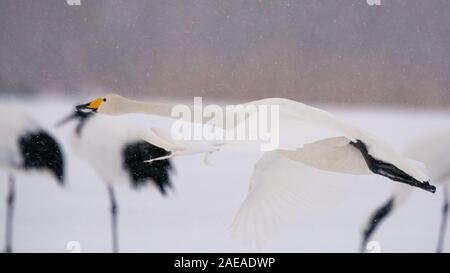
[
  {"x": 286, "y": 181},
  {"x": 280, "y": 189},
  {"x": 317, "y": 138},
  {"x": 332, "y": 154},
  {"x": 301, "y": 124}
]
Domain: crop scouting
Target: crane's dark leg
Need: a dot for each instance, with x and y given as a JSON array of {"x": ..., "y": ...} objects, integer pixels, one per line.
[
  {"x": 377, "y": 217},
  {"x": 444, "y": 221},
  {"x": 10, "y": 214},
  {"x": 114, "y": 226}
]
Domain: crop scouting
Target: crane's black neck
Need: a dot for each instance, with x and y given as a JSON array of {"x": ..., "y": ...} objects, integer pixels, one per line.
[{"x": 82, "y": 117}]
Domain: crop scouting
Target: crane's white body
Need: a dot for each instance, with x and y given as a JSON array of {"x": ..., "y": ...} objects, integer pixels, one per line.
[
  {"x": 13, "y": 124},
  {"x": 101, "y": 144},
  {"x": 433, "y": 150}
]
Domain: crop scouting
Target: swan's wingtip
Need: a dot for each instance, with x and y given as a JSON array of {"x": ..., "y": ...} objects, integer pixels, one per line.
[{"x": 428, "y": 187}]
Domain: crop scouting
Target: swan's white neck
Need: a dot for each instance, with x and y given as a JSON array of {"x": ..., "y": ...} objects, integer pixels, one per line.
[{"x": 158, "y": 109}]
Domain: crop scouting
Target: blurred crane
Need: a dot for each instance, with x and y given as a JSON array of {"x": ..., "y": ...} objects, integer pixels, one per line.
[
  {"x": 118, "y": 154},
  {"x": 25, "y": 147},
  {"x": 433, "y": 149}
]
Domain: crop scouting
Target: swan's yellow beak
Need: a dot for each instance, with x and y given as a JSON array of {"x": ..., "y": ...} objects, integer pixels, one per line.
[{"x": 93, "y": 105}]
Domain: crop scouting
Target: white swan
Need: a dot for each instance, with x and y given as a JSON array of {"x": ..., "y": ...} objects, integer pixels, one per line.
[{"x": 307, "y": 135}]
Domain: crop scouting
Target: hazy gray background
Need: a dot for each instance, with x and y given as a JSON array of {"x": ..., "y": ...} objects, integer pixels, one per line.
[{"x": 336, "y": 51}]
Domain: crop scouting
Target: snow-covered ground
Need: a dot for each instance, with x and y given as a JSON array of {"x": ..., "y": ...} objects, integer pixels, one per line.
[{"x": 196, "y": 216}]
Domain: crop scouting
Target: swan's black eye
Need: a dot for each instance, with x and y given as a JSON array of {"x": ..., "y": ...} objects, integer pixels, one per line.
[{"x": 104, "y": 99}]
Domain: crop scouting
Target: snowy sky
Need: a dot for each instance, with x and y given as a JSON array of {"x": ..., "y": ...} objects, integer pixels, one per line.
[{"x": 340, "y": 51}]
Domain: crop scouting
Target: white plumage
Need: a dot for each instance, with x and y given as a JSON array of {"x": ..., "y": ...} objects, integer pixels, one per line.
[{"x": 100, "y": 144}]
